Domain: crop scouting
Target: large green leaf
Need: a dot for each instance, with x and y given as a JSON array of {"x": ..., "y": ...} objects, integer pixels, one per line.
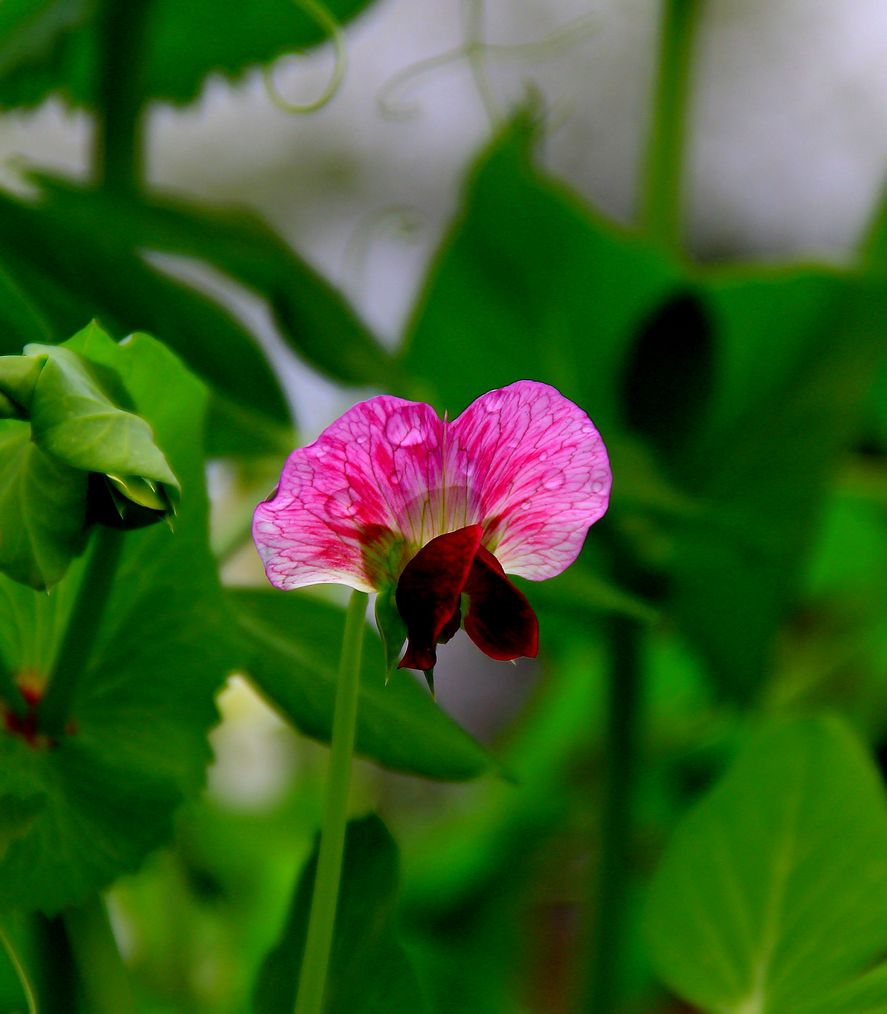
[
  {"x": 772, "y": 897},
  {"x": 292, "y": 644},
  {"x": 53, "y": 45},
  {"x": 370, "y": 972},
  {"x": 77, "y": 265},
  {"x": 137, "y": 744},
  {"x": 532, "y": 283},
  {"x": 313, "y": 316},
  {"x": 797, "y": 350}
]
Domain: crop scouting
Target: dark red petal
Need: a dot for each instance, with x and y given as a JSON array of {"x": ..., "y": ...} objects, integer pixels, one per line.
[
  {"x": 428, "y": 593},
  {"x": 500, "y": 620}
]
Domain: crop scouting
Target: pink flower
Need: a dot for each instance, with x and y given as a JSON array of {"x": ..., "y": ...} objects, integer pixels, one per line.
[{"x": 392, "y": 499}]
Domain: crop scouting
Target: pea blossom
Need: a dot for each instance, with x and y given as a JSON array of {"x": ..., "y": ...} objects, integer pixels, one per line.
[{"x": 433, "y": 514}]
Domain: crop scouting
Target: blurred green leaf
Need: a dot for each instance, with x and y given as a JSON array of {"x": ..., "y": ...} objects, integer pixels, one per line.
[
  {"x": 292, "y": 647},
  {"x": 553, "y": 293},
  {"x": 773, "y": 894},
  {"x": 370, "y": 972},
  {"x": 109, "y": 280},
  {"x": 137, "y": 746},
  {"x": 796, "y": 349},
  {"x": 313, "y": 317},
  {"x": 53, "y": 45}
]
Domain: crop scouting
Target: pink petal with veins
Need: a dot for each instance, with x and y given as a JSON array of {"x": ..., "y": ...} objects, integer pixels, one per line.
[
  {"x": 353, "y": 507},
  {"x": 535, "y": 474}
]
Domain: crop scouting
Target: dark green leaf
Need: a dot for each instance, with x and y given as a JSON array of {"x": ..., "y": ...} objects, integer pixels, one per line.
[
  {"x": 370, "y": 972},
  {"x": 797, "y": 351},
  {"x": 773, "y": 894},
  {"x": 552, "y": 293},
  {"x": 137, "y": 744},
  {"x": 292, "y": 654},
  {"x": 313, "y": 317},
  {"x": 108, "y": 279},
  {"x": 53, "y": 48}
]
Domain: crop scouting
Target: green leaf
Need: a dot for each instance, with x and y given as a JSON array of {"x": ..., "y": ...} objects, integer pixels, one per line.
[
  {"x": 137, "y": 744},
  {"x": 554, "y": 293},
  {"x": 370, "y": 972},
  {"x": 313, "y": 317},
  {"x": 42, "y": 509},
  {"x": 75, "y": 421},
  {"x": 183, "y": 44},
  {"x": 772, "y": 896},
  {"x": 292, "y": 652},
  {"x": 109, "y": 279},
  {"x": 797, "y": 351}
]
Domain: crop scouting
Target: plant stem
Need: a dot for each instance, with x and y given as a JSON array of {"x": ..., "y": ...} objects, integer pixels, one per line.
[
  {"x": 662, "y": 186},
  {"x": 100, "y": 968},
  {"x": 312, "y": 980},
  {"x": 613, "y": 874},
  {"x": 118, "y": 141},
  {"x": 80, "y": 633}
]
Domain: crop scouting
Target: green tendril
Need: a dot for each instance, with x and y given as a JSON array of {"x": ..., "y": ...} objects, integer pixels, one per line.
[
  {"x": 474, "y": 50},
  {"x": 23, "y": 979},
  {"x": 324, "y": 18}
]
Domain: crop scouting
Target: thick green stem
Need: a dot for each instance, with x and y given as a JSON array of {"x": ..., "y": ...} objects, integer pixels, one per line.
[
  {"x": 80, "y": 633},
  {"x": 312, "y": 980},
  {"x": 100, "y": 968},
  {"x": 609, "y": 897},
  {"x": 118, "y": 142},
  {"x": 662, "y": 185}
]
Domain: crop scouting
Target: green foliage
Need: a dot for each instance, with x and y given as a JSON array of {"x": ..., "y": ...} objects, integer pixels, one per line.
[
  {"x": 773, "y": 894},
  {"x": 370, "y": 971},
  {"x": 136, "y": 745},
  {"x": 74, "y": 431},
  {"x": 54, "y": 45},
  {"x": 292, "y": 655}
]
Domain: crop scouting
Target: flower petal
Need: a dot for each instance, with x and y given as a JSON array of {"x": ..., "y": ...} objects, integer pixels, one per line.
[
  {"x": 535, "y": 472},
  {"x": 429, "y": 591},
  {"x": 352, "y": 506},
  {"x": 500, "y": 620}
]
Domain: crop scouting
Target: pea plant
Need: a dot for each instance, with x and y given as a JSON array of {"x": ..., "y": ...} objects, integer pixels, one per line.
[{"x": 665, "y": 482}]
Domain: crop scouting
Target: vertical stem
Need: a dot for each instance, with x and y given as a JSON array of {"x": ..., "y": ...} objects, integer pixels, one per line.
[
  {"x": 118, "y": 142},
  {"x": 100, "y": 968},
  {"x": 662, "y": 185},
  {"x": 312, "y": 980},
  {"x": 80, "y": 633},
  {"x": 613, "y": 874}
]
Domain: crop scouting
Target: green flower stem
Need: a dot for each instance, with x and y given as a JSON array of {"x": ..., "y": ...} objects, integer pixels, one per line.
[
  {"x": 662, "y": 186},
  {"x": 608, "y": 900},
  {"x": 119, "y": 142},
  {"x": 100, "y": 968},
  {"x": 80, "y": 633},
  {"x": 312, "y": 980}
]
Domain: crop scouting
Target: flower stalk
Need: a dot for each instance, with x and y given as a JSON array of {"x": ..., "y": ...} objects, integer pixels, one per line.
[
  {"x": 662, "y": 185},
  {"x": 312, "y": 980}
]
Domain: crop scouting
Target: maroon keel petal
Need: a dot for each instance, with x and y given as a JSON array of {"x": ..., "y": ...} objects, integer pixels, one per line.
[
  {"x": 429, "y": 590},
  {"x": 500, "y": 620}
]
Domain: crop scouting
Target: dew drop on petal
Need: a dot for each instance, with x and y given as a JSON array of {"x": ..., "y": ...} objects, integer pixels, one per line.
[{"x": 553, "y": 480}]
